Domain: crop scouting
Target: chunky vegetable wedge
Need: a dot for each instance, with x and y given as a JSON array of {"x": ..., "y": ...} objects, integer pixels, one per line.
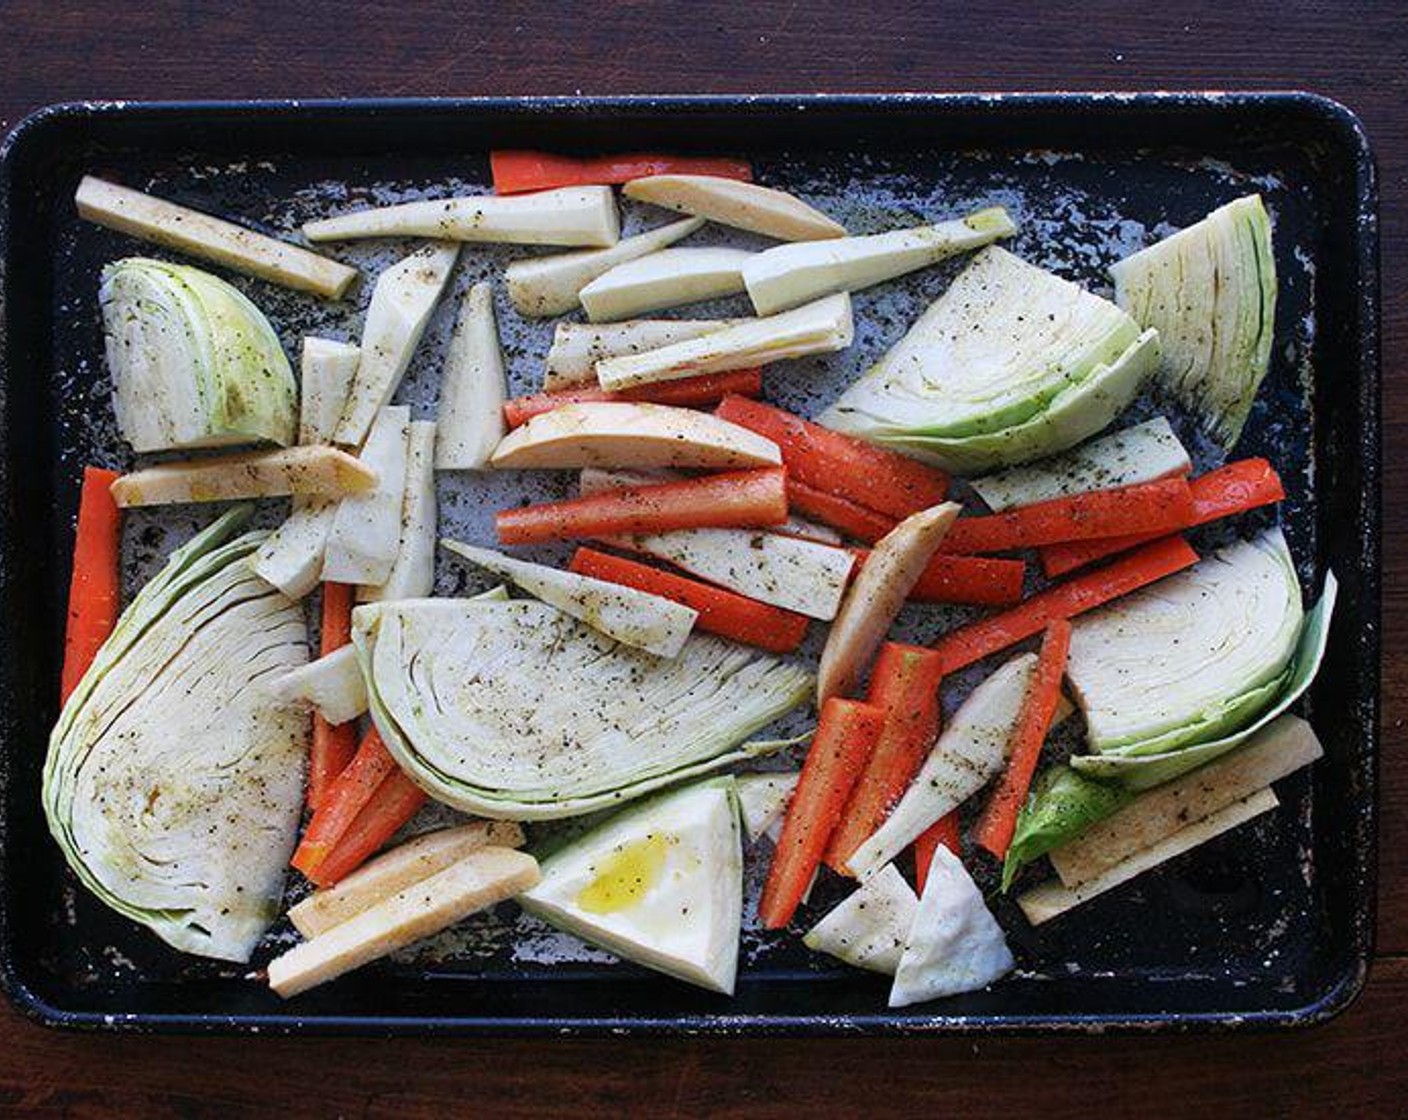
[
  {"x": 577, "y": 347},
  {"x": 470, "y": 412},
  {"x": 732, "y": 202},
  {"x": 365, "y": 536},
  {"x": 254, "y": 474},
  {"x": 667, "y": 278},
  {"x": 413, "y": 571},
  {"x": 869, "y": 928}
]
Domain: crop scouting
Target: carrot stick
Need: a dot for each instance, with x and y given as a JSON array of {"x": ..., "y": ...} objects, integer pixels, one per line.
[
  {"x": 1225, "y": 492},
  {"x": 346, "y": 797},
  {"x": 395, "y": 802},
  {"x": 333, "y": 744},
  {"x": 95, "y": 587},
  {"x": 1156, "y": 507},
  {"x": 845, "y": 737},
  {"x": 986, "y": 581},
  {"x": 906, "y": 685},
  {"x": 851, "y": 518},
  {"x": 879, "y": 480},
  {"x": 1066, "y": 600},
  {"x": 943, "y": 831},
  {"x": 734, "y": 499},
  {"x": 999, "y": 818},
  {"x": 516, "y": 171},
  {"x": 722, "y": 612},
  {"x": 688, "y": 392}
]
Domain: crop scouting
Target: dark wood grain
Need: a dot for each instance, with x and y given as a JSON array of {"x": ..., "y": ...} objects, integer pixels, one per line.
[{"x": 1358, "y": 53}]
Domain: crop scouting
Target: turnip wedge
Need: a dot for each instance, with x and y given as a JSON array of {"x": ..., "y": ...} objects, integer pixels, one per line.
[
  {"x": 332, "y": 686},
  {"x": 622, "y": 434},
  {"x": 201, "y": 235},
  {"x": 869, "y": 929},
  {"x": 1051, "y": 900},
  {"x": 1210, "y": 292},
  {"x": 173, "y": 785},
  {"x": 968, "y": 754},
  {"x": 1011, "y": 363},
  {"x": 791, "y": 275},
  {"x": 471, "y": 409},
  {"x": 822, "y": 327},
  {"x": 322, "y": 471},
  {"x": 545, "y": 286},
  {"x": 606, "y": 724},
  {"x": 365, "y": 536},
  {"x": 669, "y": 278},
  {"x": 1143, "y": 452},
  {"x": 400, "y": 307},
  {"x": 876, "y": 596},
  {"x": 730, "y": 202},
  {"x": 577, "y": 347},
  {"x": 569, "y": 216},
  {"x": 193, "y": 362},
  {"x": 955, "y": 944},
  {"x": 634, "y": 618},
  {"x": 413, "y": 571}
]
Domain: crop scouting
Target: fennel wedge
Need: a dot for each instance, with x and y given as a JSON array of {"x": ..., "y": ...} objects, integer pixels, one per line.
[
  {"x": 173, "y": 782},
  {"x": 460, "y": 692}
]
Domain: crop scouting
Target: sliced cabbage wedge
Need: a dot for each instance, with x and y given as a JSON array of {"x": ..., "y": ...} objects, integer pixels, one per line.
[
  {"x": 660, "y": 884},
  {"x": 174, "y": 782},
  {"x": 1210, "y": 292},
  {"x": 193, "y": 362},
  {"x": 1011, "y": 363},
  {"x": 1193, "y": 655},
  {"x": 514, "y": 710}
]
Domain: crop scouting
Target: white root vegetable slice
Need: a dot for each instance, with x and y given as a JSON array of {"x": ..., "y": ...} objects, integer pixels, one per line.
[
  {"x": 762, "y": 798},
  {"x": 818, "y": 328},
  {"x": 634, "y": 618},
  {"x": 968, "y": 754},
  {"x": 1281, "y": 748},
  {"x": 730, "y": 202},
  {"x": 401, "y": 305},
  {"x": 869, "y": 928},
  {"x": 669, "y": 278},
  {"x": 791, "y": 275},
  {"x": 213, "y": 239},
  {"x": 471, "y": 410},
  {"x": 479, "y": 880},
  {"x": 401, "y": 867},
  {"x": 619, "y": 434},
  {"x": 577, "y": 347},
  {"x": 1141, "y": 453},
  {"x": 1051, "y": 900},
  {"x": 251, "y": 474},
  {"x": 413, "y": 574},
  {"x": 332, "y": 686},
  {"x": 568, "y": 216},
  {"x": 794, "y": 574},
  {"x": 366, "y": 533},
  {"x": 291, "y": 557},
  {"x": 545, "y": 286},
  {"x": 876, "y": 596},
  {"x": 326, "y": 373}
]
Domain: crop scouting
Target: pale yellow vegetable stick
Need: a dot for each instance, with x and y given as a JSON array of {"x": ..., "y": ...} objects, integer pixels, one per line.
[
  {"x": 393, "y": 871},
  {"x": 479, "y": 880},
  {"x": 213, "y": 239},
  {"x": 251, "y": 474},
  {"x": 733, "y": 203}
]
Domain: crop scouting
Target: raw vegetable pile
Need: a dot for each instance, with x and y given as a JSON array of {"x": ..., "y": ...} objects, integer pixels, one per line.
[{"x": 982, "y": 460}]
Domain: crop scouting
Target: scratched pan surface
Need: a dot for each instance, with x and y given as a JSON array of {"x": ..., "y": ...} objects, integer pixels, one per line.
[{"x": 1268, "y": 925}]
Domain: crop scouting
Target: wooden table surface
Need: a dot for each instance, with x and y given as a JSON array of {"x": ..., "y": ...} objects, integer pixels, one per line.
[{"x": 55, "y": 50}]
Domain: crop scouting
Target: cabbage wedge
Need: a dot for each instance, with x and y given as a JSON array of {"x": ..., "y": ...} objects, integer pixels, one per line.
[
  {"x": 1011, "y": 363},
  {"x": 193, "y": 362},
  {"x": 513, "y": 710},
  {"x": 174, "y": 782}
]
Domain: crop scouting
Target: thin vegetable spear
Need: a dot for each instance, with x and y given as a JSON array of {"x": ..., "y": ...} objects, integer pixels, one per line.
[
  {"x": 95, "y": 585},
  {"x": 394, "y": 803},
  {"x": 334, "y": 744},
  {"x": 845, "y": 738},
  {"x": 722, "y": 612},
  {"x": 516, "y": 171},
  {"x": 999, "y": 820},
  {"x": 691, "y": 392},
  {"x": 1225, "y": 492},
  {"x": 1066, "y": 600},
  {"x": 345, "y": 798},
  {"x": 851, "y": 518},
  {"x": 987, "y": 581},
  {"x": 943, "y": 831},
  {"x": 905, "y": 684}
]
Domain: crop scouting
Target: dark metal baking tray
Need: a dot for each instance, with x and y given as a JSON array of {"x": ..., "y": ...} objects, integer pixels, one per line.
[{"x": 1268, "y": 926}]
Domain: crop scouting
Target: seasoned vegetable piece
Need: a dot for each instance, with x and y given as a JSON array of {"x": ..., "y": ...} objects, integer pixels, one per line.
[
  {"x": 515, "y": 170},
  {"x": 95, "y": 585},
  {"x": 254, "y": 474},
  {"x": 730, "y": 202},
  {"x": 668, "y": 278},
  {"x": 365, "y": 536},
  {"x": 690, "y": 392},
  {"x": 471, "y": 411},
  {"x": 577, "y": 347}
]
